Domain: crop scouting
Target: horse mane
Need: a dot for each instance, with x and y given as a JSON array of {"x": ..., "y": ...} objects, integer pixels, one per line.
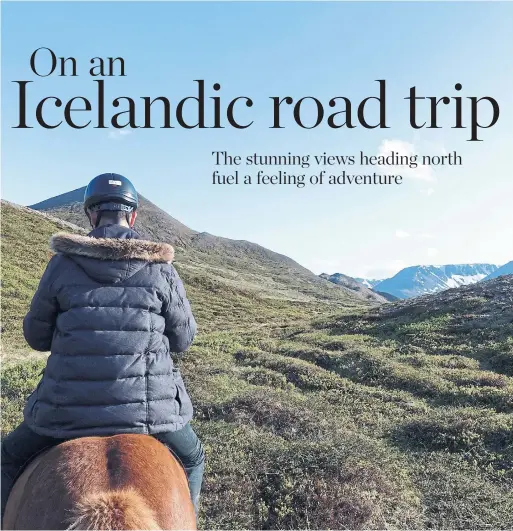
[{"x": 113, "y": 510}]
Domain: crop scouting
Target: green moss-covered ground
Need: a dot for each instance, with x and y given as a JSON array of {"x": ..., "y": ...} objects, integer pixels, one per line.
[{"x": 321, "y": 416}]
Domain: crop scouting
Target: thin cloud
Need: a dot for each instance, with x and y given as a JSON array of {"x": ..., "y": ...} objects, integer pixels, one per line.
[
  {"x": 321, "y": 262},
  {"x": 119, "y": 133},
  {"x": 405, "y": 152},
  {"x": 386, "y": 270},
  {"x": 432, "y": 252},
  {"x": 400, "y": 233}
]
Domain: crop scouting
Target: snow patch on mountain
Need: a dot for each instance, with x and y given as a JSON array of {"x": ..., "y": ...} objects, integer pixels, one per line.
[
  {"x": 422, "y": 280},
  {"x": 455, "y": 281}
]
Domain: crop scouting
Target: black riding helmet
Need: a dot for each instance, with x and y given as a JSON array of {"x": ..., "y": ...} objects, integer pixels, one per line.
[{"x": 110, "y": 191}]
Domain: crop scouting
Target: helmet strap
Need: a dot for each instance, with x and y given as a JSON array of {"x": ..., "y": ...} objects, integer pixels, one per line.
[
  {"x": 98, "y": 218},
  {"x": 88, "y": 214}
]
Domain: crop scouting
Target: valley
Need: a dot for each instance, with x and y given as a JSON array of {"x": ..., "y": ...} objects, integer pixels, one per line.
[{"x": 320, "y": 406}]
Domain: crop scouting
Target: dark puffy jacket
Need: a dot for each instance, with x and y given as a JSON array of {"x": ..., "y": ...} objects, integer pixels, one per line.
[{"x": 110, "y": 309}]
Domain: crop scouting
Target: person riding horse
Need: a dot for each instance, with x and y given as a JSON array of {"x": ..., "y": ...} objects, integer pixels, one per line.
[{"x": 111, "y": 308}]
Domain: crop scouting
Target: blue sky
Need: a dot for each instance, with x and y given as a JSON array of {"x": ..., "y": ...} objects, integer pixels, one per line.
[{"x": 259, "y": 50}]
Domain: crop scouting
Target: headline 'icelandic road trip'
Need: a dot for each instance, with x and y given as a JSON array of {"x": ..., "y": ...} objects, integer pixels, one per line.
[{"x": 207, "y": 109}]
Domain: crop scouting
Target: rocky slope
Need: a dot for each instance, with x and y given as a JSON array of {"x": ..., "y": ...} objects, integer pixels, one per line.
[{"x": 353, "y": 285}]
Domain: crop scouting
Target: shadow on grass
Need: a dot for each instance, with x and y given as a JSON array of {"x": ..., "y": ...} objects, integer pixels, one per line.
[{"x": 478, "y": 438}]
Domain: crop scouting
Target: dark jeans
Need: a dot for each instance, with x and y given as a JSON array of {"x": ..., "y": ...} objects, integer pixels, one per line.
[
  {"x": 23, "y": 444},
  {"x": 186, "y": 446}
]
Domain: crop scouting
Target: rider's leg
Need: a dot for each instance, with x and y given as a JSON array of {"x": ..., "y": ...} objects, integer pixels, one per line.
[
  {"x": 187, "y": 447},
  {"x": 17, "y": 449}
]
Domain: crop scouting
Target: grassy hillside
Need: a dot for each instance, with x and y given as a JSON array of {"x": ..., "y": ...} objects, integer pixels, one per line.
[
  {"x": 316, "y": 412},
  {"x": 25, "y": 253},
  {"x": 243, "y": 264}
]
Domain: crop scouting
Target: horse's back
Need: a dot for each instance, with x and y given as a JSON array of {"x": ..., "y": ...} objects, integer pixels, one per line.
[{"x": 118, "y": 482}]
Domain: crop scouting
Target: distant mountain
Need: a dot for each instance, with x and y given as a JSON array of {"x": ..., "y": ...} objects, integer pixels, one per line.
[
  {"x": 155, "y": 224},
  {"x": 368, "y": 282},
  {"x": 352, "y": 284},
  {"x": 506, "y": 269},
  {"x": 421, "y": 280}
]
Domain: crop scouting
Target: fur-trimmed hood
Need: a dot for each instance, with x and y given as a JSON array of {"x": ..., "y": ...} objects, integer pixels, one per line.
[{"x": 111, "y": 248}]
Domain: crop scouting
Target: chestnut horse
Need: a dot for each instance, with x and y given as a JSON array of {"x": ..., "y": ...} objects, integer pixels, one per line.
[{"x": 118, "y": 482}]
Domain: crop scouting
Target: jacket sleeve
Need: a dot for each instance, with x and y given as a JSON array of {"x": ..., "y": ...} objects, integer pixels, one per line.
[
  {"x": 39, "y": 323},
  {"x": 180, "y": 323}
]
